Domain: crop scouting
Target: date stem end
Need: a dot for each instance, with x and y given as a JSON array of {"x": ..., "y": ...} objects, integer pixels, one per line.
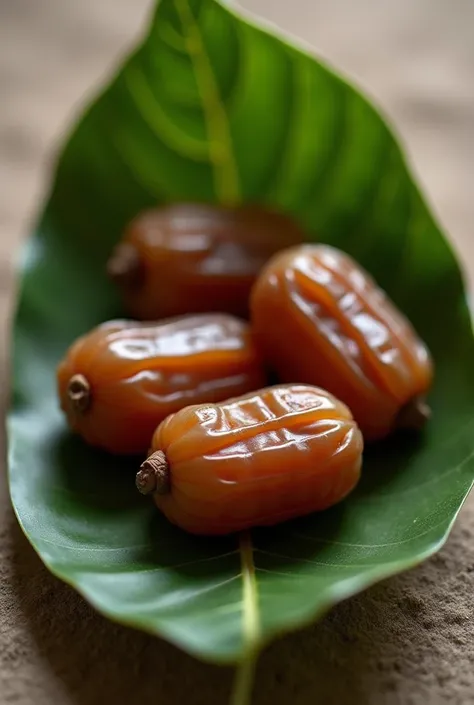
[
  {"x": 79, "y": 393},
  {"x": 154, "y": 475}
]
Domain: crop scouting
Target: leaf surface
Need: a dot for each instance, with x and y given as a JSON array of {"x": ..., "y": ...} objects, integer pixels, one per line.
[{"x": 212, "y": 107}]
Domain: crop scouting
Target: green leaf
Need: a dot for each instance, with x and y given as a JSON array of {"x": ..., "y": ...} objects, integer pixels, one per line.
[{"x": 212, "y": 107}]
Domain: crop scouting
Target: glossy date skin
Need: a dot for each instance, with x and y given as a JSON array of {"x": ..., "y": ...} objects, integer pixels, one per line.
[
  {"x": 187, "y": 258},
  {"x": 332, "y": 326},
  {"x": 120, "y": 380},
  {"x": 256, "y": 460}
]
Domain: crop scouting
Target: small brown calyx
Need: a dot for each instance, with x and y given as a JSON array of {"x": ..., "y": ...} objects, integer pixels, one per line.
[
  {"x": 413, "y": 415},
  {"x": 79, "y": 393},
  {"x": 125, "y": 266},
  {"x": 154, "y": 475}
]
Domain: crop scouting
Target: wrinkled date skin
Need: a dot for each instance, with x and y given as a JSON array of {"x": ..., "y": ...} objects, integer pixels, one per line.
[
  {"x": 260, "y": 459},
  {"x": 189, "y": 258},
  {"x": 320, "y": 319},
  {"x": 119, "y": 381}
]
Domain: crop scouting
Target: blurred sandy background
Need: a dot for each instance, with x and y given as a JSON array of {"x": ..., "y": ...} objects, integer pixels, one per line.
[{"x": 410, "y": 640}]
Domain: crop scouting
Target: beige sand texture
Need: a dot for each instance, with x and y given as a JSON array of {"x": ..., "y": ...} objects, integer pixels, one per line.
[{"x": 409, "y": 640}]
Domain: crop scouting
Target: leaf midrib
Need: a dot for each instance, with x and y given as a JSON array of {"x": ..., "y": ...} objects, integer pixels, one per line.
[
  {"x": 251, "y": 624},
  {"x": 226, "y": 177}
]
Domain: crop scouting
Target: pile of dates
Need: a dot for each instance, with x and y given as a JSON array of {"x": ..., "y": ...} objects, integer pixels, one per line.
[{"x": 225, "y": 300}]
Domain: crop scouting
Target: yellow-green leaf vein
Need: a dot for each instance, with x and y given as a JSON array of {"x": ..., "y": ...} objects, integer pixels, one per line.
[{"x": 226, "y": 177}]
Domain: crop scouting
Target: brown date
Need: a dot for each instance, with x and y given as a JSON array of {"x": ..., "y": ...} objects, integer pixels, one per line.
[
  {"x": 321, "y": 319},
  {"x": 188, "y": 258},
  {"x": 259, "y": 459},
  {"x": 120, "y": 380}
]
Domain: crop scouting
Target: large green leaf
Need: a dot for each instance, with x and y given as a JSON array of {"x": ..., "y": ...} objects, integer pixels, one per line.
[{"x": 212, "y": 107}]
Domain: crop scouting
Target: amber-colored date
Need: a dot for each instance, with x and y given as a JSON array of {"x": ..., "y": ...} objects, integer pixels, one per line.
[
  {"x": 320, "y": 319},
  {"x": 187, "y": 258},
  {"x": 119, "y": 381},
  {"x": 265, "y": 457}
]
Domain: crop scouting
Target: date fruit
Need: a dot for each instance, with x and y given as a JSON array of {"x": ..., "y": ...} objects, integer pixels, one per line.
[
  {"x": 119, "y": 381},
  {"x": 321, "y": 319},
  {"x": 189, "y": 258},
  {"x": 262, "y": 458}
]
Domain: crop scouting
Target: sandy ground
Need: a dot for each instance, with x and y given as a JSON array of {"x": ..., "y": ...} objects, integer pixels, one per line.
[{"x": 410, "y": 640}]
